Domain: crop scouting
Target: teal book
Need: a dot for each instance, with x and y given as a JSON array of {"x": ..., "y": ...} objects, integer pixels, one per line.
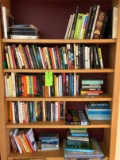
[
  {"x": 78, "y": 25},
  {"x": 78, "y": 146}
]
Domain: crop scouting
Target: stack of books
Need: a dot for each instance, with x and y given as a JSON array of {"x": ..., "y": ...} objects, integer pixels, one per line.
[
  {"x": 76, "y": 117},
  {"x": 79, "y": 145},
  {"x": 98, "y": 110},
  {"x": 93, "y": 25},
  {"x": 23, "y": 31},
  {"x": 91, "y": 87},
  {"x": 48, "y": 141},
  {"x": 23, "y": 140}
]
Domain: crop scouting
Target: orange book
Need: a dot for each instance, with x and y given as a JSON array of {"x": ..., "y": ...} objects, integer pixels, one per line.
[
  {"x": 10, "y": 112},
  {"x": 51, "y": 56},
  {"x": 20, "y": 144},
  {"x": 24, "y": 86},
  {"x": 22, "y": 55},
  {"x": 26, "y": 142},
  {"x": 46, "y": 91}
]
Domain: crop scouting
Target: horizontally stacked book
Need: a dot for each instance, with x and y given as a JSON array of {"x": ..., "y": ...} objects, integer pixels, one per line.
[
  {"x": 79, "y": 145},
  {"x": 93, "y": 25},
  {"x": 23, "y": 31},
  {"x": 69, "y": 56},
  {"x": 98, "y": 110},
  {"x": 18, "y": 31},
  {"x": 48, "y": 141}
]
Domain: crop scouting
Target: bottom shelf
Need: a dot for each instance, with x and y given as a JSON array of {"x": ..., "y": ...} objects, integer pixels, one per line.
[{"x": 50, "y": 155}]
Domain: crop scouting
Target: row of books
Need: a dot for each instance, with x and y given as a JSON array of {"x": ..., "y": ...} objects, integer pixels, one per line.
[
  {"x": 23, "y": 140},
  {"x": 98, "y": 111},
  {"x": 70, "y": 56},
  {"x": 93, "y": 25},
  {"x": 16, "y": 31},
  {"x": 76, "y": 145},
  {"x": 25, "y": 112},
  {"x": 27, "y": 85}
]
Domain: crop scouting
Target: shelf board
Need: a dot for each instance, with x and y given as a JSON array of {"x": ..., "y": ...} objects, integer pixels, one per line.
[
  {"x": 60, "y": 124},
  {"x": 65, "y": 98},
  {"x": 59, "y": 41},
  {"x": 106, "y": 70},
  {"x": 58, "y": 154}
]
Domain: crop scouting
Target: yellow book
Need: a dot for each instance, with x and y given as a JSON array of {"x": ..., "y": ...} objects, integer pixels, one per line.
[
  {"x": 100, "y": 58},
  {"x": 27, "y": 82},
  {"x": 10, "y": 86}
]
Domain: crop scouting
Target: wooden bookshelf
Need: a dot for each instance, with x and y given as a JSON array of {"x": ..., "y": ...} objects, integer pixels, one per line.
[{"x": 51, "y": 36}]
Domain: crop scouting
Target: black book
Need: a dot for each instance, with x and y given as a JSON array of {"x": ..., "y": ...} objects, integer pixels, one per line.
[
  {"x": 108, "y": 28},
  {"x": 16, "y": 112},
  {"x": 33, "y": 57},
  {"x": 74, "y": 23},
  {"x": 91, "y": 21},
  {"x": 104, "y": 26},
  {"x": 96, "y": 57}
]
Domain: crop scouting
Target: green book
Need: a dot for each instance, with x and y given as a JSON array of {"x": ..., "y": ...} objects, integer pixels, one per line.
[
  {"x": 78, "y": 25},
  {"x": 78, "y": 146}
]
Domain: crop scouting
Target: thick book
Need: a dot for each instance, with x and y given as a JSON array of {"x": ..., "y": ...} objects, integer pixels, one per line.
[
  {"x": 7, "y": 21},
  {"x": 78, "y": 146},
  {"x": 99, "y": 24},
  {"x": 74, "y": 23}
]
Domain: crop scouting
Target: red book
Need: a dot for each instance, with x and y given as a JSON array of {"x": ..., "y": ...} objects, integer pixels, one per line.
[
  {"x": 28, "y": 57},
  {"x": 31, "y": 139},
  {"x": 13, "y": 56},
  {"x": 12, "y": 140}
]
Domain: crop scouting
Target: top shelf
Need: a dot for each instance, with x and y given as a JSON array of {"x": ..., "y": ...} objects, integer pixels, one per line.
[{"x": 60, "y": 41}]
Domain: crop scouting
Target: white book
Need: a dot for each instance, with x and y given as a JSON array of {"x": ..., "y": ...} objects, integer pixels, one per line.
[
  {"x": 7, "y": 20},
  {"x": 6, "y": 86},
  {"x": 16, "y": 132},
  {"x": 69, "y": 33},
  {"x": 23, "y": 37},
  {"x": 96, "y": 15},
  {"x": 13, "y": 112},
  {"x": 115, "y": 22},
  {"x": 68, "y": 27},
  {"x": 53, "y": 55},
  {"x": 10, "y": 57},
  {"x": 20, "y": 57},
  {"x": 56, "y": 111},
  {"x": 40, "y": 52},
  {"x": 20, "y": 112},
  {"x": 13, "y": 84}
]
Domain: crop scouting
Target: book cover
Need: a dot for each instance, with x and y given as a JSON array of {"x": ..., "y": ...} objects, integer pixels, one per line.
[
  {"x": 78, "y": 146},
  {"x": 99, "y": 24}
]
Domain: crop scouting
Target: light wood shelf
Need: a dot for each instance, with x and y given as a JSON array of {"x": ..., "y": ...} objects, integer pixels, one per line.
[
  {"x": 58, "y": 154},
  {"x": 106, "y": 70},
  {"x": 60, "y": 124},
  {"x": 63, "y": 98},
  {"x": 60, "y": 41}
]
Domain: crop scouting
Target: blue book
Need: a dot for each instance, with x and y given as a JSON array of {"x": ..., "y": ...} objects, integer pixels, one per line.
[
  {"x": 79, "y": 134},
  {"x": 78, "y": 146}
]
